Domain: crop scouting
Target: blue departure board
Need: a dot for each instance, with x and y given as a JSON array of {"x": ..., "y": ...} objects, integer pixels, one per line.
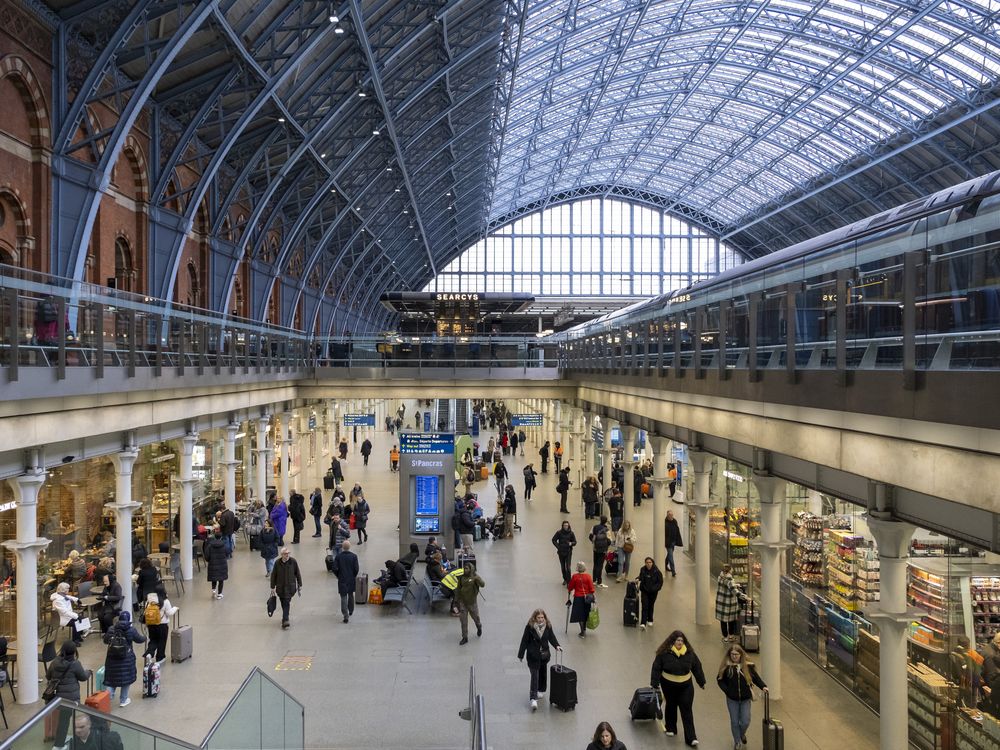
[
  {"x": 526, "y": 420},
  {"x": 359, "y": 420},
  {"x": 428, "y": 496},
  {"x": 426, "y": 442}
]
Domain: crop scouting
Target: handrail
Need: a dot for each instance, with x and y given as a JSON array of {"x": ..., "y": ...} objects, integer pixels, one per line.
[
  {"x": 239, "y": 694},
  {"x": 475, "y": 714}
]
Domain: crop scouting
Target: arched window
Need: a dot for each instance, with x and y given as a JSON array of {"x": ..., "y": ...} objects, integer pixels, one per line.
[
  {"x": 194, "y": 288},
  {"x": 124, "y": 269},
  {"x": 591, "y": 247}
]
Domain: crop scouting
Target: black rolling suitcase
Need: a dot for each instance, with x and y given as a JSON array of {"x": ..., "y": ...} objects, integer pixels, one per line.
[
  {"x": 562, "y": 685},
  {"x": 774, "y": 732},
  {"x": 630, "y": 607},
  {"x": 329, "y": 481},
  {"x": 645, "y": 705}
]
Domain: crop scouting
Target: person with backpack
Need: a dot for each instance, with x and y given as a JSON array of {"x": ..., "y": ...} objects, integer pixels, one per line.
[
  {"x": 530, "y": 480},
  {"x": 297, "y": 512},
  {"x": 466, "y": 596},
  {"x": 465, "y": 524},
  {"x": 229, "y": 525},
  {"x": 616, "y": 506},
  {"x": 316, "y": 510},
  {"x": 600, "y": 535},
  {"x": 468, "y": 479},
  {"x": 47, "y": 322},
  {"x": 65, "y": 673},
  {"x": 563, "y": 489},
  {"x": 157, "y": 616},
  {"x": 536, "y": 641},
  {"x": 499, "y": 477},
  {"x": 544, "y": 453},
  {"x": 119, "y": 663}
]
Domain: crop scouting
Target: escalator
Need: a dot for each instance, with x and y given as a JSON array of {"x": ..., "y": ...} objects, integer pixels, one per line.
[
  {"x": 462, "y": 416},
  {"x": 442, "y": 415}
]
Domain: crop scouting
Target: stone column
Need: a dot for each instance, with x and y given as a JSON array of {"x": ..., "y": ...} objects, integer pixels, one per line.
[
  {"x": 661, "y": 454},
  {"x": 26, "y": 546},
  {"x": 572, "y": 455},
  {"x": 331, "y": 432},
  {"x": 123, "y": 507},
  {"x": 704, "y": 601},
  {"x": 187, "y": 482},
  {"x": 261, "y": 452},
  {"x": 284, "y": 441},
  {"x": 586, "y": 445},
  {"x": 770, "y": 546},
  {"x": 229, "y": 464},
  {"x": 892, "y": 617},
  {"x": 629, "y": 436}
]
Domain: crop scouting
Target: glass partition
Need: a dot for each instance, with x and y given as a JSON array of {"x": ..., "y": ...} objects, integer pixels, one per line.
[{"x": 261, "y": 716}]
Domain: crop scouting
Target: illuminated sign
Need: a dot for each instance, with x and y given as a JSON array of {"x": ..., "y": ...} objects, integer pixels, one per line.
[
  {"x": 679, "y": 298},
  {"x": 359, "y": 420},
  {"x": 426, "y": 442},
  {"x": 455, "y": 297},
  {"x": 526, "y": 420}
]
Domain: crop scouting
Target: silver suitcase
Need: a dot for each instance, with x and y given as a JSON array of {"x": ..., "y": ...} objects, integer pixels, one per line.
[{"x": 181, "y": 642}]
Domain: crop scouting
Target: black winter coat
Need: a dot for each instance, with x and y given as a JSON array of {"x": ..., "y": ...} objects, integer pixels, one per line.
[
  {"x": 214, "y": 551},
  {"x": 297, "y": 509},
  {"x": 286, "y": 579},
  {"x": 120, "y": 670},
  {"x": 564, "y": 540},
  {"x": 650, "y": 581},
  {"x": 361, "y": 511},
  {"x": 366, "y": 447},
  {"x": 70, "y": 673},
  {"x": 531, "y": 644},
  {"x": 735, "y": 685},
  {"x": 672, "y": 533},
  {"x": 510, "y": 501},
  {"x": 146, "y": 583},
  {"x": 670, "y": 663},
  {"x": 268, "y": 544},
  {"x": 346, "y": 567}
]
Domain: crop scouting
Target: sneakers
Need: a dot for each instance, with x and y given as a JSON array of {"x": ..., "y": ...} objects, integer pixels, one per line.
[
  {"x": 649, "y": 622},
  {"x": 642, "y": 626},
  {"x": 694, "y": 743},
  {"x": 284, "y": 624},
  {"x": 534, "y": 704},
  {"x": 669, "y": 733},
  {"x": 124, "y": 703},
  {"x": 603, "y": 585},
  {"x": 316, "y": 536},
  {"x": 219, "y": 596},
  {"x": 463, "y": 641},
  {"x": 582, "y": 635}
]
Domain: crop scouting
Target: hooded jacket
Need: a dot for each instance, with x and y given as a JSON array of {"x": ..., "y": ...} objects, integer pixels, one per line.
[
  {"x": 70, "y": 672},
  {"x": 120, "y": 670},
  {"x": 469, "y": 585},
  {"x": 564, "y": 540}
]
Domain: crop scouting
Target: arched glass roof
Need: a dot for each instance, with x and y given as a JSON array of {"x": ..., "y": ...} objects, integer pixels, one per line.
[{"x": 724, "y": 106}]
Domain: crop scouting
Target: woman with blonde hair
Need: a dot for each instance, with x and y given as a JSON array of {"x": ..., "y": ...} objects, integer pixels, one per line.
[
  {"x": 625, "y": 541},
  {"x": 736, "y": 679},
  {"x": 535, "y": 641}
]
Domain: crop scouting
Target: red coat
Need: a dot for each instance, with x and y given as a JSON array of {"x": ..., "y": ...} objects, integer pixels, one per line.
[{"x": 581, "y": 584}]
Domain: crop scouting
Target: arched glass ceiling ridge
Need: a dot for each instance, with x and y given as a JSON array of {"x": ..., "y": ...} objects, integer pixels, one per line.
[{"x": 729, "y": 105}]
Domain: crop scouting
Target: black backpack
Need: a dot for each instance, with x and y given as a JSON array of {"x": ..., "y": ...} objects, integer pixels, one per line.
[
  {"x": 601, "y": 540},
  {"x": 117, "y": 643},
  {"x": 47, "y": 311}
]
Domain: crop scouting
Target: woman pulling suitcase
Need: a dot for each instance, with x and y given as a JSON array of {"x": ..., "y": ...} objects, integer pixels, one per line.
[
  {"x": 736, "y": 679},
  {"x": 536, "y": 641}
]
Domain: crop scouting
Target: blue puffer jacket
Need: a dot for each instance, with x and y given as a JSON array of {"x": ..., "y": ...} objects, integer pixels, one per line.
[{"x": 120, "y": 670}]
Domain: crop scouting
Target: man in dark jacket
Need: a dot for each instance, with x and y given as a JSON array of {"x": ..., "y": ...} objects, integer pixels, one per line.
[
  {"x": 563, "y": 489},
  {"x": 340, "y": 532},
  {"x": 297, "y": 512},
  {"x": 564, "y": 541},
  {"x": 286, "y": 582},
  {"x": 227, "y": 523},
  {"x": 336, "y": 470},
  {"x": 466, "y": 525},
  {"x": 346, "y": 568},
  {"x": 316, "y": 510},
  {"x": 93, "y": 734},
  {"x": 366, "y": 450},
  {"x": 600, "y": 535},
  {"x": 544, "y": 453},
  {"x": 616, "y": 507},
  {"x": 672, "y": 539}
]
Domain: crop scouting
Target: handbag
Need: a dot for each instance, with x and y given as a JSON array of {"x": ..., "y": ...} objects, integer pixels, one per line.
[
  {"x": 52, "y": 686},
  {"x": 272, "y": 604},
  {"x": 375, "y": 595},
  {"x": 628, "y": 547}
]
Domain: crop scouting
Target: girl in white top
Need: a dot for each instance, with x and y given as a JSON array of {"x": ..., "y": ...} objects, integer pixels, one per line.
[
  {"x": 625, "y": 536},
  {"x": 159, "y": 629}
]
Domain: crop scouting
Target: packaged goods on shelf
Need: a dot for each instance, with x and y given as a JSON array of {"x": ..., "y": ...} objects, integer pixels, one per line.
[
  {"x": 976, "y": 730},
  {"x": 931, "y": 707},
  {"x": 936, "y": 593},
  {"x": 985, "y": 594}
]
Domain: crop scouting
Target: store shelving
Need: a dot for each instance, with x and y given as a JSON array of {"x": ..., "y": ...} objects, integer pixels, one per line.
[
  {"x": 841, "y": 546},
  {"x": 866, "y": 677},
  {"x": 806, "y": 557},
  {"x": 975, "y": 730},
  {"x": 936, "y": 589},
  {"x": 931, "y": 708},
  {"x": 985, "y": 595}
]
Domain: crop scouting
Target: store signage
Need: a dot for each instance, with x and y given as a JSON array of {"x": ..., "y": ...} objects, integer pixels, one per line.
[
  {"x": 358, "y": 420},
  {"x": 312, "y": 421},
  {"x": 734, "y": 476},
  {"x": 526, "y": 420},
  {"x": 161, "y": 459},
  {"x": 8, "y": 506},
  {"x": 448, "y": 297},
  {"x": 426, "y": 443}
]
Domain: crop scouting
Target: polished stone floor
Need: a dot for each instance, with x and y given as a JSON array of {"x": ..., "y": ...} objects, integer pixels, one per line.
[{"x": 392, "y": 680}]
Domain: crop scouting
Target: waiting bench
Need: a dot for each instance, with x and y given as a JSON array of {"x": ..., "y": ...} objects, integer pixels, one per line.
[{"x": 433, "y": 592}]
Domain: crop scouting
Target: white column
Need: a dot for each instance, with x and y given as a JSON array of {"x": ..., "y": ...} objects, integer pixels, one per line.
[
  {"x": 186, "y": 481},
  {"x": 770, "y": 546},
  {"x": 704, "y": 602},
  {"x": 229, "y": 464},
  {"x": 661, "y": 453},
  {"x": 892, "y": 618},
  {"x": 284, "y": 441},
  {"x": 261, "y": 452},
  {"x": 26, "y": 546},
  {"x": 123, "y": 507},
  {"x": 586, "y": 442},
  {"x": 629, "y": 436}
]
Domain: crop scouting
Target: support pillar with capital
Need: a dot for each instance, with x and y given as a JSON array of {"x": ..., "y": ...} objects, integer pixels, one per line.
[
  {"x": 770, "y": 546},
  {"x": 629, "y": 436},
  {"x": 284, "y": 441},
  {"x": 892, "y": 617},
  {"x": 660, "y": 482},
  {"x": 26, "y": 547},
  {"x": 123, "y": 507},
  {"x": 261, "y": 453},
  {"x": 229, "y": 464},
  {"x": 704, "y": 602},
  {"x": 187, "y": 482}
]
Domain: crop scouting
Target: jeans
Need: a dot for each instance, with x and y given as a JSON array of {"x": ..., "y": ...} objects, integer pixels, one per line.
[
  {"x": 616, "y": 522},
  {"x": 624, "y": 558},
  {"x": 228, "y": 539},
  {"x": 527, "y": 490},
  {"x": 124, "y": 692},
  {"x": 269, "y": 564},
  {"x": 319, "y": 529},
  {"x": 679, "y": 695},
  {"x": 739, "y": 718},
  {"x": 539, "y": 678},
  {"x": 670, "y": 560},
  {"x": 347, "y": 604}
]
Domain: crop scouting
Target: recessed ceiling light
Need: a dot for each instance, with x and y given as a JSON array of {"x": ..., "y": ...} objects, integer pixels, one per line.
[
  {"x": 338, "y": 30},
  {"x": 333, "y": 190},
  {"x": 322, "y": 156},
  {"x": 281, "y": 119},
  {"x": 388, "y": 169},
  {"x": 375, "y": 131},
  {"x": 397, "y": 190},
  {"x": 334, "y": 19},
  {"x": 362, "y": 93}
]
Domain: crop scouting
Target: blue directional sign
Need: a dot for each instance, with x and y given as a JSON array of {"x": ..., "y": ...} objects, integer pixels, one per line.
[
  {"x": 359, "y": 420},
  {"x": 526, "y": 420},
  {"x": 426, "y": 442}
]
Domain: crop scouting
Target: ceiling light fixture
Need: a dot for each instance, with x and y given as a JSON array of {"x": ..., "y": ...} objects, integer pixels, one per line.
[
  {"x": 334, "y": 18},
  {"x": 338, "y": 30},
  {"x": 397, "y": 190},
  {"x": 388, "y": 169},
  {"x": 322, "y": 156},
  {"x": 281, "y": 119},
  {"x": 375, "y": 131},
  {"x": 361, "y": 93}
]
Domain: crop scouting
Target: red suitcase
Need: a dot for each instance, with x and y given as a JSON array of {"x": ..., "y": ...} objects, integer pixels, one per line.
[{"x": 99, "y": 701}]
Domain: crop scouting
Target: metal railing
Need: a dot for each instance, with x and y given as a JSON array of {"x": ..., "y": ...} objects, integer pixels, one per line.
[{"x": 475, "y": 714}]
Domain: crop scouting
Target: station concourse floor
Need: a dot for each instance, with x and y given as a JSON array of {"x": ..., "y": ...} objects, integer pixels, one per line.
[{"x": 392, "y": 680}]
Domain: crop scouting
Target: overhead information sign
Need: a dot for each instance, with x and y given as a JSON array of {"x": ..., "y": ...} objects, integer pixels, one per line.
[
  {"x": 359, "y": 420},
  {"x": 526, "y": 420},
  {"x": 426, "y": 442}
]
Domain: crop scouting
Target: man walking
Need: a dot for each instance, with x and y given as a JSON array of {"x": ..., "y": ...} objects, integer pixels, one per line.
[
  {"x": 366, "y": 450},
  {"x": 297, "y": 512},
  {"x": 286, "y": 581},
  {"x": 499, "y": 477},
  {"x": 672, "y": 538},
  {"x": 340, "y": 532},
  {"x": 346, "y": 568},
  {"x": 316, "y": 510},
  {"x": 227, "y": 523},
  {"x": 600, "y": 536},
  {"x": 466, "y": 595}
]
